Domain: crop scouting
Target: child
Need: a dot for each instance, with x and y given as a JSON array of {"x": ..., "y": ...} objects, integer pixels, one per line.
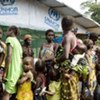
[
  {"x": 97, "y": 89},
  {"x": 24, "y": 89},
  {"x": 54, "y": 87},
  {"x": 40, "y": 80}
]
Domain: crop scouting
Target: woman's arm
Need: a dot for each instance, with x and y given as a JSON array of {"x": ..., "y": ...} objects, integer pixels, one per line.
[
  {"x": 67, "y": 47},
  {"x": 9, "y": 56},
  {"x": 40, "y": 51},
  {"x": 1, "y": 58}
]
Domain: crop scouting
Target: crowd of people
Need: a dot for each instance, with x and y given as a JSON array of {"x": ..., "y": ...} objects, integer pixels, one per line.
[{"x": 66, "y": 71}]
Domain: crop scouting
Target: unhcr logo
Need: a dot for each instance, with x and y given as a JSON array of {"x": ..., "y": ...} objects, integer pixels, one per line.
[
  {"x": 55, "y": 15},
  {"x": 7, "y": 2}
]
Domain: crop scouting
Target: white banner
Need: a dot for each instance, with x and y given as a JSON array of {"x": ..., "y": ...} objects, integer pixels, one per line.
[{"x": 14, "y": 13}]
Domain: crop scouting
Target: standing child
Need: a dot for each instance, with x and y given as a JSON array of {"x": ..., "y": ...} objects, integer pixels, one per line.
[
  {"x": 54, "y": 87},
  {"x": 24, "y": 89},
  {"x": 40, "y": 80}
]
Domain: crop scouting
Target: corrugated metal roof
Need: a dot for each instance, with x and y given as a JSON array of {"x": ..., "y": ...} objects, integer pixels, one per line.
[{"x": 80, "y": 19}]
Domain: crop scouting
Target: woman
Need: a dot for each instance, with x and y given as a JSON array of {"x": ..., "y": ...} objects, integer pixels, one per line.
[
  {"x": 27, "y": 50},
  {"x": 13, "y": 62},
  {"x": 69, "y": 80},
  {"x": 47, "y": 52}
]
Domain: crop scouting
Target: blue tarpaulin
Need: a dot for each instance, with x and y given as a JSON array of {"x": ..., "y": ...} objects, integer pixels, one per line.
[{"x": 58, "y": 39}]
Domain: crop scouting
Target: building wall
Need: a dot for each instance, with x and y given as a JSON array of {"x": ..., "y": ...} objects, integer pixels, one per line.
[
  {"x": 30, "y": 14},
  {"x": 81, "y": 30}
]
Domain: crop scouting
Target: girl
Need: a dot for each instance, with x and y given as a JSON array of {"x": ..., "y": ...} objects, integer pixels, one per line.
[
  {"x": 40, "y": 80},
  {"x": 24, "y": 89},
  {"x": 54, "y": 87}
]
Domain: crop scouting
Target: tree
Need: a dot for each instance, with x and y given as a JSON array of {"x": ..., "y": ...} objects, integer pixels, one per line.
[{"x": 93, "y": 9}]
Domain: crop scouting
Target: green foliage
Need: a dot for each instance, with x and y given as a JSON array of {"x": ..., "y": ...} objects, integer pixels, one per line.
[{"x": 93, "y": 9}]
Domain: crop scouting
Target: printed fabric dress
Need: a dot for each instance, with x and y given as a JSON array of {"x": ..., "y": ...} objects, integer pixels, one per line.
[
  {"x": 69, "y": 89},
  {"x": 24, "y": 90}
]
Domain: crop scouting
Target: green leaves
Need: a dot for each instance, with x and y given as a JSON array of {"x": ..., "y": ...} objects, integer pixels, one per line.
[{"x": 93, "y": 8}]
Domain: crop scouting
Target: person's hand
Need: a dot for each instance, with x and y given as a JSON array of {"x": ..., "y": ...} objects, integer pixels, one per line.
[
  {"x": 68, "y": 76},
  {"x": 43, "y": 91}
]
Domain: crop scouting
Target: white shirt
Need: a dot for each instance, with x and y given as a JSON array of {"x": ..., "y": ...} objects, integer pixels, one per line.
[{"x": 76, "y": 58}]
